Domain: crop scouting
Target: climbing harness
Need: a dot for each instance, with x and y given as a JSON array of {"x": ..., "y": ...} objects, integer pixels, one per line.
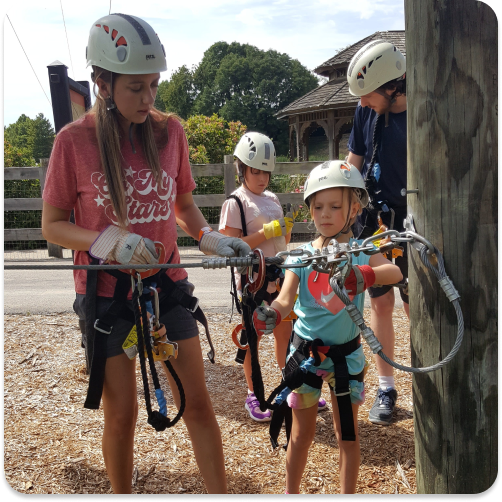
[
  {"x": 336, "y": 260},
  {"x": 147, "y": 338},
  {"x": 272, "y": 274}
]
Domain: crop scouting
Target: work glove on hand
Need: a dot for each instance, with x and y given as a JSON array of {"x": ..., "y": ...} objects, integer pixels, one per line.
[
  {"x": 216, "y": 243},
  {"x": 265, "y": 319},
  {"x": 278, "y": 228},
  {"x": 361, "y": 277},
  {"x": 115, "y": 244}
]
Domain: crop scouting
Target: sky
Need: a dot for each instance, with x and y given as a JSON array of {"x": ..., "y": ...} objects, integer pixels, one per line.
[{"x": 308, "y": 30}]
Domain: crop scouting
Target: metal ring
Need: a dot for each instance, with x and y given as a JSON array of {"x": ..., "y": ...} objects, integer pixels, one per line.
[{"x": 255, "y": 285}]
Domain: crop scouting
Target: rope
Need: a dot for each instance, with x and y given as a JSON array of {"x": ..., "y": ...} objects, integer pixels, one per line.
[
  {"x": 157, "y": 419},
  {"x": 370, "y": 337}
]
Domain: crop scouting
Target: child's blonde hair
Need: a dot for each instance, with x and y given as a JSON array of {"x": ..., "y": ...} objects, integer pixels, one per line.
[{"x": 356, "y": 198}]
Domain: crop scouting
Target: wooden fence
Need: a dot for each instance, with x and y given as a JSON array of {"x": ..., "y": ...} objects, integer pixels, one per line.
[{"x": 227, "y": 170}]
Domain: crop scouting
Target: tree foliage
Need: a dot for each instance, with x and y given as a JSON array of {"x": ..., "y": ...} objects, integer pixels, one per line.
[
  {"x": 242, "y": 83},
  {"x": 14, "y": 156},
  {"x": 32, "y": 138},
  {"x": 210, "y": 138},
  {"x": 178, "y": 94}
]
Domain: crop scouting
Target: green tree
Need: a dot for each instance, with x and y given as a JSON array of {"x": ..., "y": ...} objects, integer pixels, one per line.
[
  {"x": 242, "y": 82},
  {"x": 33, "y": 137},
  {"x": 18, "y": 134},
  {"x": 178, "y": 94},
  {"x": 42, "y": 137},
  {"x": 210, "y": 138},
  {"x": 16, "y": 157}
]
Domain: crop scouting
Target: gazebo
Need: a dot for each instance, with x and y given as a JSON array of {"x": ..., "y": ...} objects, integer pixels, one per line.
[{"x": 330, "y": 106}]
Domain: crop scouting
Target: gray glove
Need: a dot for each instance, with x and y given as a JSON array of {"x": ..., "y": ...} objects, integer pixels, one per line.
[
  {"x": 116, "y": 244},
  {"x": 216, "y": 243}
]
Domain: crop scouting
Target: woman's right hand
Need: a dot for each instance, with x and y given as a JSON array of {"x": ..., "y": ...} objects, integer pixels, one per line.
[{"x": 117, "y": 245}]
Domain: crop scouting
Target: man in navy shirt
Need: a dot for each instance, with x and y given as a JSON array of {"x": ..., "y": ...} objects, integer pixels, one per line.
[{"x": 377, "y": 147}]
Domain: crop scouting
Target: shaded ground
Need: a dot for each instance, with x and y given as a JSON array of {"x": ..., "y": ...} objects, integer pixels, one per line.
[{"x": 53, "y": 445}]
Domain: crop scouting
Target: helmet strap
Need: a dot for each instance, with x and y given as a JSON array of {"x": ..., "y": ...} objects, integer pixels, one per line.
[{"x": 110, "y": 105}]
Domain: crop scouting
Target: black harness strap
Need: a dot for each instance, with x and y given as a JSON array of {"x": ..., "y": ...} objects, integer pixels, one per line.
[
  {"x": 294, "y": 377},
  {"x": 176, "y": 296}
]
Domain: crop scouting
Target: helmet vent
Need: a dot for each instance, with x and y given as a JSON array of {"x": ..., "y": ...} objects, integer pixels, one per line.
[
  {"x": 370, "y": 63},
  {"x": 114, "y": 34},
  {"x": 267, "y": 151},
  {"x": 98, "y": 26},
  {"x": 106, "y": 29},
  {"x": 378, "y": 57},
  {"x": 121, "y": 41},
  {"x": 364, "y": 69}
]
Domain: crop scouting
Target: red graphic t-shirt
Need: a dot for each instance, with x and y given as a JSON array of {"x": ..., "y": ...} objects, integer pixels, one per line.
[{"x": 75, "y": 180}]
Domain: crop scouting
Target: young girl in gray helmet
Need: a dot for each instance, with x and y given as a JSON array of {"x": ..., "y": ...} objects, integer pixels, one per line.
[
  {"x": 124, "y": 169},
  {"x": 335, "y": 194},
  {"x": 267, "y": 229}
]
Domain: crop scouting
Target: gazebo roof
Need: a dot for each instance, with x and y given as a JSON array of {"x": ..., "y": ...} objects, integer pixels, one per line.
[
  {"x": 335, "y": 93},
  {"x": 344, "y": 57}
]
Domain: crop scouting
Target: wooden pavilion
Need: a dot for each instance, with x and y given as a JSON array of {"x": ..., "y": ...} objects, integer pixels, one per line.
[{"x": 330, "y": 105}]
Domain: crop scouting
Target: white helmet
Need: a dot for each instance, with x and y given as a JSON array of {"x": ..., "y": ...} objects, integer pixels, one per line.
[
  {"x": 125, "y": 44},
  {"x": 373, "y": 65},
  {"x": 257, "y": 151},
  {"x": 334, "y": 174}
]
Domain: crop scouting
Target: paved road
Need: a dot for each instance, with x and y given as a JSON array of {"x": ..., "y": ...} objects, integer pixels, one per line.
[{"x": 52, "y": 291}]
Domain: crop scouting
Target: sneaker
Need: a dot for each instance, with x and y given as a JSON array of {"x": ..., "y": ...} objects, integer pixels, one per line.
[
  {"x": 253, "y": 407},
  {"x": 322, "y": 404},
  {"x": 381, "y": 411}
]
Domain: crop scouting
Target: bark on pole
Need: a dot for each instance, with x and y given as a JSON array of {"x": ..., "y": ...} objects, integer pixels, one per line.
[{"x": 452, "y": 160}]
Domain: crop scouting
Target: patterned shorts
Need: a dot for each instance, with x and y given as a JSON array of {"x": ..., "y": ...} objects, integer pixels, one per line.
[{"x": 306, "y": 396}]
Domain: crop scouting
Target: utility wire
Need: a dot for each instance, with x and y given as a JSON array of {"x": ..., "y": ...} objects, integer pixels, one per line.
[
  {"x": 67, "y": 43},
  {"x": 110, "y": 9},
  {"x": 28, "y": 59}
]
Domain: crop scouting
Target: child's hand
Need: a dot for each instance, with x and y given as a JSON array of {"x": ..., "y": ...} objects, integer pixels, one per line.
[
  {"x": 278, "y": 228},
  {"x": 361, "y": 278},
  {"x": 265, "y": 319}
]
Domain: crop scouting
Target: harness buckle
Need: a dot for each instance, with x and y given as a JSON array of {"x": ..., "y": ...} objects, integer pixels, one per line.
[{"x": 102, "y": 330}]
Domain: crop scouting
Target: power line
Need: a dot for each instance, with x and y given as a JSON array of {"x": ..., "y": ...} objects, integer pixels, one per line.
[
  {"x": 67, "y": 43},
  {"x": 110, "y": 9},
  {"x": 28, "y": 59}
]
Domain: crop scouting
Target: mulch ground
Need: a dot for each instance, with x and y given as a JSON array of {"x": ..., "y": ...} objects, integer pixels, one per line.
[{"x": 53, "y": 445}]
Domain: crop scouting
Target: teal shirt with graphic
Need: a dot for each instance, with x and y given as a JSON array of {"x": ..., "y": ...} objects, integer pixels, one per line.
[{"x": 321, "y": 314}]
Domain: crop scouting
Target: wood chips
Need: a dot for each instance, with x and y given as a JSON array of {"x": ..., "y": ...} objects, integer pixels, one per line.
[{"x": 53, "y": 445}]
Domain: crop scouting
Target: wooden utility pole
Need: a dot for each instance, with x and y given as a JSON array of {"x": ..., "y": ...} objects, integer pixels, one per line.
[{"x": 452, "y": 160}]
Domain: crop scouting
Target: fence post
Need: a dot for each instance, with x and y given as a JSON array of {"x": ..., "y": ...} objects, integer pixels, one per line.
[
  {"x": 229, "y": 174},
  {"x": 54, "y": 250}
]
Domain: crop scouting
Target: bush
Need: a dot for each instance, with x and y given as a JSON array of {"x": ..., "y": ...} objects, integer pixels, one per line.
[{"x": 210, "y": 138}]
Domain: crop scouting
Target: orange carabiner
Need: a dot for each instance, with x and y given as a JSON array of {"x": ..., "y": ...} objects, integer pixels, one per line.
[
  {"x": 235, "y": 332},
  {"x": 161, "y": 251},
  {"x": 255, "y": 285}
]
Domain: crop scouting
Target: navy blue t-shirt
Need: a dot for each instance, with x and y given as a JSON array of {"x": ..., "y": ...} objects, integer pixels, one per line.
[{"x": 391, "y": 154}]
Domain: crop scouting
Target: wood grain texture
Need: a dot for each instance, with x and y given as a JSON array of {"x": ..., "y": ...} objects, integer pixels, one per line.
[{"x": 452, "y": 160}]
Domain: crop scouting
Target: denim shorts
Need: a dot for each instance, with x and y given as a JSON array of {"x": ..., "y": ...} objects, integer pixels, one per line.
[{"x": 178, "y": 321}]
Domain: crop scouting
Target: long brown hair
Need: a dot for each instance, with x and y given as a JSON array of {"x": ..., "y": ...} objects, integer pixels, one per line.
[{"x": 153, "y": 134}]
